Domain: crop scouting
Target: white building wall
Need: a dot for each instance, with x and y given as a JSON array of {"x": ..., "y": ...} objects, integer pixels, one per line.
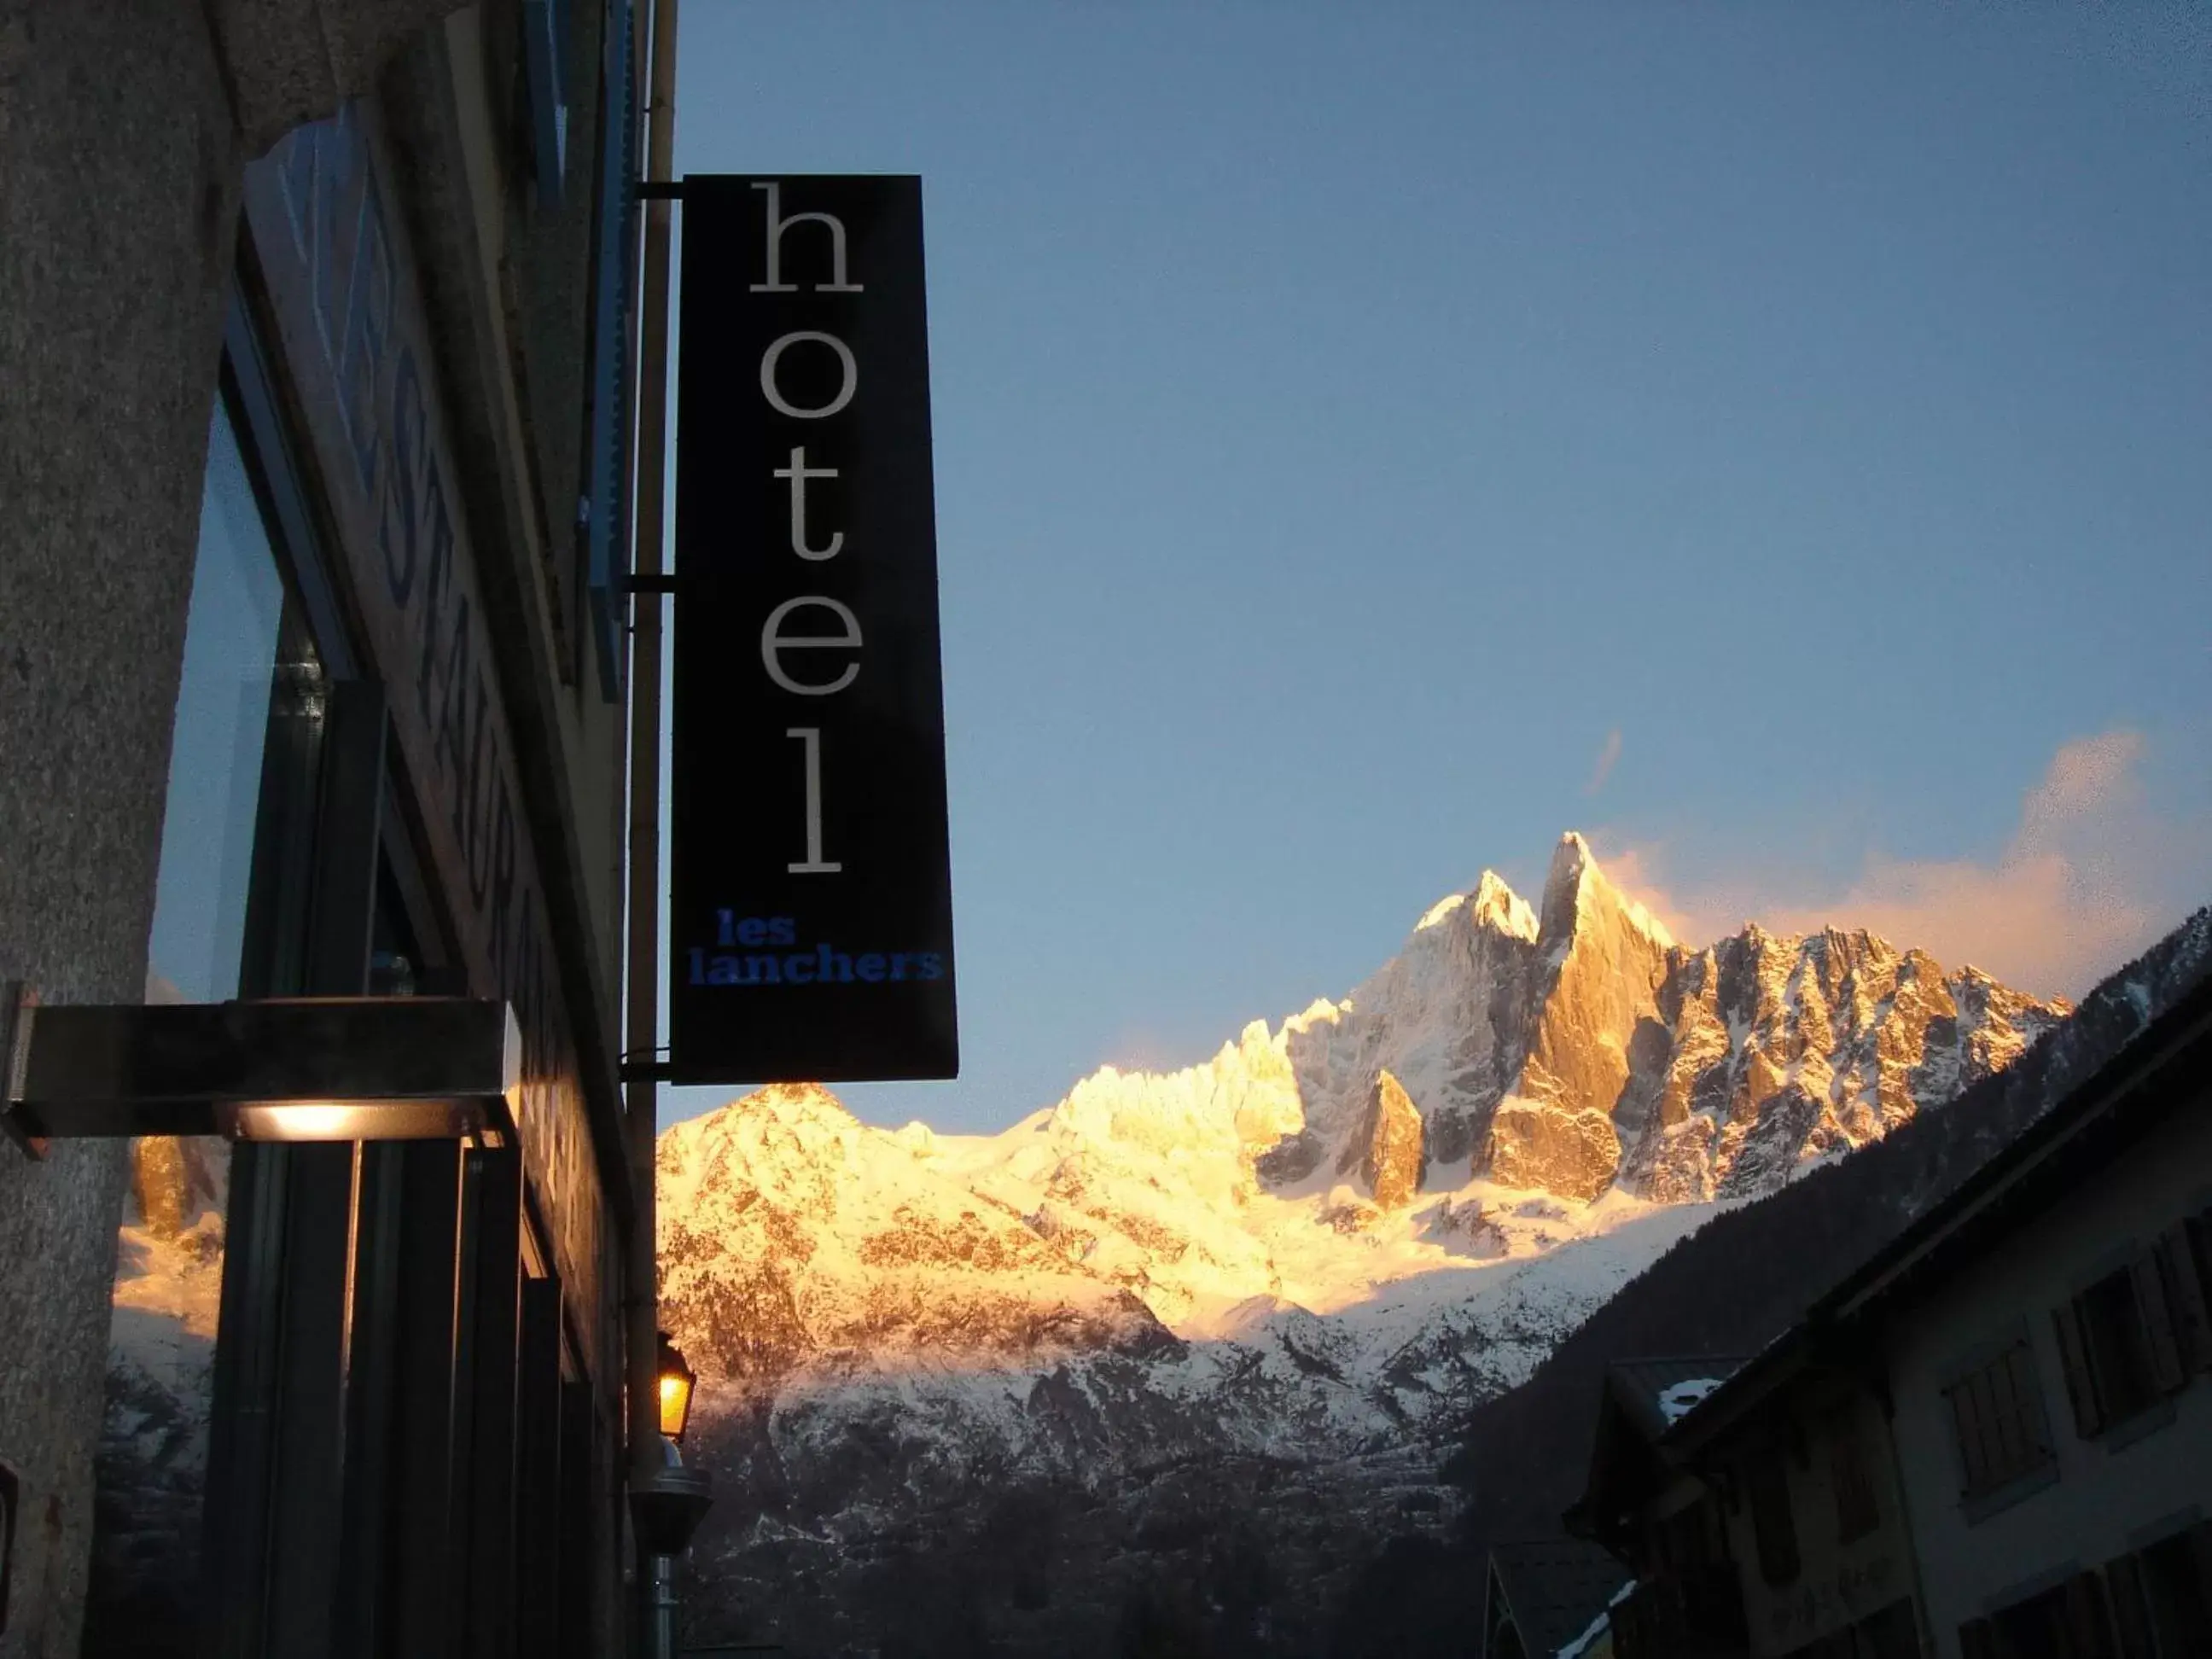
[
  {"x": 1839, "y": 1581},
  {"x": 2110, "y": 1490}
]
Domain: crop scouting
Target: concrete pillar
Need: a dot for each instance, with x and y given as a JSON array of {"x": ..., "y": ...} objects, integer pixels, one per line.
[
  {"x": 118, "y": 188},
  {"x": 124, "y": 126}
]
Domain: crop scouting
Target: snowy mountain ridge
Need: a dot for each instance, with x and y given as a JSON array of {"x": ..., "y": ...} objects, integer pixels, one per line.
[
  {"x": 1513, "y": 1077},
  {"x": 1287, "y": 1272}
]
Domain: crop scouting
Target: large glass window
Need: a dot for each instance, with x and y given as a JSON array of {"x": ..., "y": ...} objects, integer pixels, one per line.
[
  {"x": 231, "y": 641},
  {"x": 236, "y": 839}
]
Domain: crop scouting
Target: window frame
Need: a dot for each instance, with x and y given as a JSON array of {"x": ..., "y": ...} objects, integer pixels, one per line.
[
  {"x": 1987, "y": 1484},
  {"x": 2183, "y": 1255},
  {"x": 2175, "y": 1566},
  {"x": 2117, "y": 1342},
  {"x": 2121, "y": 1342},
  {"x": 1851, "y": 1481},
  {"x": 1771, "y": 1505},
  {"x": 244, "y": 1514},
  {"x": 274, "y": 464}
]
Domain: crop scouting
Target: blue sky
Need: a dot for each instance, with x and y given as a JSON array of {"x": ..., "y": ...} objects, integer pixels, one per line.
[{"x": 1373, "y": 439}]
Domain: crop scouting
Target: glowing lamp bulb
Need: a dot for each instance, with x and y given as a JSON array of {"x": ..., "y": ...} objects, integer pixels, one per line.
[{"x": 677, "y": 1380}]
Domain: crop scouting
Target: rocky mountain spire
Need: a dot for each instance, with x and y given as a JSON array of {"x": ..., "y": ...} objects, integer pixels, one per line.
[
  {"x": 1393, "y": 1158},
  {"x": 1593, "y": 1020}
]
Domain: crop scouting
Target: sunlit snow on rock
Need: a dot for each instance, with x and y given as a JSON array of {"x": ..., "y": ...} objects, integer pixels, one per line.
[{"x": 1289, "y": 1271}]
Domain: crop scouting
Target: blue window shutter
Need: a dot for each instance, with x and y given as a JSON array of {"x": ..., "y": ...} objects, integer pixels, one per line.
[{"x": 606, "y": 539}]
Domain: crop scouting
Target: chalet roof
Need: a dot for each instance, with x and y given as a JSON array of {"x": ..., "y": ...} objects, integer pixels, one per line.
[
  {"x": 1641, "y": 1401},
  {"x": 1553, "y": 1587},
  {"x": 1654, "y": 1394}
]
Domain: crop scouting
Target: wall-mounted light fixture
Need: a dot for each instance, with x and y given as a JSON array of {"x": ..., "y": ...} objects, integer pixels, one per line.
[
  {"x": 677, "y": 1380},
  {"x": 320, "y": 1068}
]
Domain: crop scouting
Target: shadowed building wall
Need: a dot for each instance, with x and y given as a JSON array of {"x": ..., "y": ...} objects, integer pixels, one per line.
[{"x": 126, "y": 131}]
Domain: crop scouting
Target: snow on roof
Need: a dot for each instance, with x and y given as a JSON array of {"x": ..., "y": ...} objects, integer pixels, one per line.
[
  {"x": 1553, "y": 1588},
  {"x": 1657, "y": 1393},
  {"x": 1674, "y": 1403}
]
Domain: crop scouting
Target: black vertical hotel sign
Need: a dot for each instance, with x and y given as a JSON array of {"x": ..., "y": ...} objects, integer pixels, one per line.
[{"x": 810, "y": 924}]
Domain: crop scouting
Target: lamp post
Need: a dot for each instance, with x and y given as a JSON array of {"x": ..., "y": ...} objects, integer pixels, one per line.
[
  {"x": 666, "y": 1499},
  {"x": 666, "y": 1506},
  {"x": 310, "y": 1069}
]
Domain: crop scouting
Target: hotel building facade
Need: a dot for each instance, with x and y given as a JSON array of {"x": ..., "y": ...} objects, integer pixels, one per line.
[{"x": 314, "y": 338}]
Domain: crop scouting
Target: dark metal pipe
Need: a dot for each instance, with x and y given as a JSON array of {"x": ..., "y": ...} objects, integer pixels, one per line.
[
  {"x": 661, "y": 1608},
  {"x": 643, "y": 1310}
]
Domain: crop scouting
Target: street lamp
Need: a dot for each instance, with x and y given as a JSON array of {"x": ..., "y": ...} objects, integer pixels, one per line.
[
  {"x": 311, "y": 1068},
  {"x": 665, "y": 1508},
  {"x": 677, "y": 1380},
  {"x": 667, "y": 1503}
]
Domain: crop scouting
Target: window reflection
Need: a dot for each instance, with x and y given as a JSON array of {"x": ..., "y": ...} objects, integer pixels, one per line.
[
  {"x": 222, "y": 729},
  {"x": 235, "y": 841}
]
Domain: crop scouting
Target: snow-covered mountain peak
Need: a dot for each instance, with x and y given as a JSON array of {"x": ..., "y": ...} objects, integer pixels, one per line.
[
  {"x": 1578, "y": 894},
  {"x": 796, "y": 1107},
  {"x": 1442, "y": 911},
  {"x": 1492, "y": 904},
  {"x": 1276, "y": 1279},
  {"x": 784, "y": 1125},
  {"x": 1243, "y": 1094},
  {"x": 1565, "y": 1053},
  {"x": 1505, "y": 1083},
  {"x": 1498, "y": 907}
]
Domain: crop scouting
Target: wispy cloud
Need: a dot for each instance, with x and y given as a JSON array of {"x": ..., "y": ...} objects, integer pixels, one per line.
[
  {"x": 1607, "y": 755},
  {"x": 2084, "y": 881}
]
